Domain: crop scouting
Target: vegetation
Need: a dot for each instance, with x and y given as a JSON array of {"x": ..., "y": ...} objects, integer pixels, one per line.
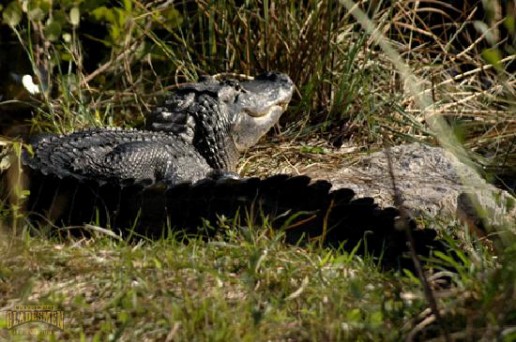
[{"x": 368, "y": 74}]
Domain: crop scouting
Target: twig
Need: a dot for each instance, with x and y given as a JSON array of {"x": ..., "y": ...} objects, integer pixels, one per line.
[
  {"x": 106, "y": 65},
  {"x": 404, "y": 220}
]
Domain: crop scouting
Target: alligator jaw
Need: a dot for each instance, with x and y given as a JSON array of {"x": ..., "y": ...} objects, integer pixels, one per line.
[
  {"x": 259, "y": 96},
  {"x": 258, "y": 112},
  {"x": 261, "y": 103}
]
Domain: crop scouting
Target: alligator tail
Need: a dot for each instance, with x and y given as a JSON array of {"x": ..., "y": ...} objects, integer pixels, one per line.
[{"x": 304, "y": 210}]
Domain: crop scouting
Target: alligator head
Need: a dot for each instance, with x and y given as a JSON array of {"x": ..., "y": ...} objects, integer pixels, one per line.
[{"x": 224, "y": 117}]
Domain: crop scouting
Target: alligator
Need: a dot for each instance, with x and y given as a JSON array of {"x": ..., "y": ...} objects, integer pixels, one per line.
[
  {"x": 199, "y": 131},
  {"x": 180, "y": 173}
]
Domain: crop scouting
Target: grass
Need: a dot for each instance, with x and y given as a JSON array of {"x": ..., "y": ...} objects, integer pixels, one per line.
[
  {"x": 361, "y": 84},
  {"x": 240, "y": 286}
]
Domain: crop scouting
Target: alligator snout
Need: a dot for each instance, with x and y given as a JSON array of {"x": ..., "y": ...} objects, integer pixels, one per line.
[
  {"x": 266, "y": 91},
  {"x": 262, "y": 102}
]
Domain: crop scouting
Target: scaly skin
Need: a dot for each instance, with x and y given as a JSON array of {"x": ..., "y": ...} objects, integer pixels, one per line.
[
  {"x": 201, "y": 128},
  {"x": 111, "y": 155}
]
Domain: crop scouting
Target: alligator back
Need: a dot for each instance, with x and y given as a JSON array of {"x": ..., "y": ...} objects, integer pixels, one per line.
[{"x": 118, "y": 156}]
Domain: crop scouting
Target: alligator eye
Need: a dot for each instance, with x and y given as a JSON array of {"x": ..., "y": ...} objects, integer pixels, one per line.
[
  {"x": 234, "y": 84},
  {"x": 238, "y": 86}
]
